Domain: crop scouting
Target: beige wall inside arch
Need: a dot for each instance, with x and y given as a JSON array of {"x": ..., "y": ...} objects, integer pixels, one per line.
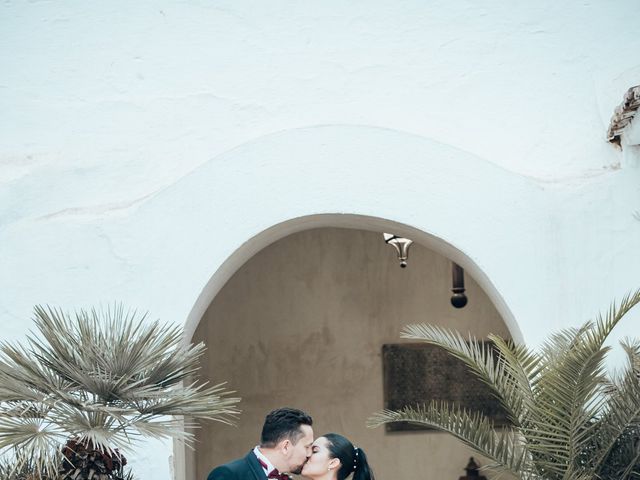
[{"x": 302, "y": 324}]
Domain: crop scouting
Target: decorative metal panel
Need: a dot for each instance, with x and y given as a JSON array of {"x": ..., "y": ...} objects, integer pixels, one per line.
[{"x": 416, "y": 374}]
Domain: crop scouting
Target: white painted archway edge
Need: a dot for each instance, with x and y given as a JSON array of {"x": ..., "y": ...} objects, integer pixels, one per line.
[
  {"x": 522, "y": 241},
  {"x": 276, "y": 232},
  {"x": 359, "y": 177}
]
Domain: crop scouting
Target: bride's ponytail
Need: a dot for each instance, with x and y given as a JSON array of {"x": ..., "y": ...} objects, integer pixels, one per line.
[
  {"x": 362, "y": 470},
  {"x": 352, "y": 459}
]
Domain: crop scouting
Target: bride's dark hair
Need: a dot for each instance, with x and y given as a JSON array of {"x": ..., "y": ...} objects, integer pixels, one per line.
[{"x": 352, "y": 459}]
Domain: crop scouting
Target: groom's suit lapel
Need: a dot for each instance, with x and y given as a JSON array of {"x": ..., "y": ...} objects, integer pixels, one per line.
[{"x": 255, "y": 467}]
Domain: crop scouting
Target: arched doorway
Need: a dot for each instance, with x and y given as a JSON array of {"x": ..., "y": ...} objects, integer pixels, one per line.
[{"x": 302, "y": 322}]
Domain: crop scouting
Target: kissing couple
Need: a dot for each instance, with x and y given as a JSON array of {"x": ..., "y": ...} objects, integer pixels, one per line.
[{"x": 287, "y": 446}]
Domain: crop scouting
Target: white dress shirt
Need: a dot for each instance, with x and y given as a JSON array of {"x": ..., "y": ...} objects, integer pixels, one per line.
[{"x": 266, "y": 461}]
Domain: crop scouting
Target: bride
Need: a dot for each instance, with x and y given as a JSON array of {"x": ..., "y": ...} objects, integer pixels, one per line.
[{"x": 334, "y": 457}]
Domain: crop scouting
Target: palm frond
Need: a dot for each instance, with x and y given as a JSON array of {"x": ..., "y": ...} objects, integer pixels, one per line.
[
  {"x": 480, "y": 359},
  {"x": 35, "y": 439},
  {"x": 570, "y": 393},
  {"x": 198, "y": 401},
  {"x": 520, "y": 369},
  {"x": 103, "y": 379},
  {"x": 618, "y": 428},
  {"x": 570, "y": 421},
  {"x": 17, "y": 466},
  {"x": 505, "y": 448}
]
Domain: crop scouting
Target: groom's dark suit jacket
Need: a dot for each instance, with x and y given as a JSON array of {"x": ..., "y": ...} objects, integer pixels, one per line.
[{"x": 246, "y": 468}]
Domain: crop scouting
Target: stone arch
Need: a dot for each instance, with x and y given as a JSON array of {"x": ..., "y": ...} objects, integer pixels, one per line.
[
  {"x": 187, "y": 459},
  {"x": 363, "y": 222}
]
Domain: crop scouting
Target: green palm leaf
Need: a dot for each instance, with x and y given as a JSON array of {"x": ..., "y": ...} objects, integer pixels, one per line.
[
  {"x": 479, "y": 358},
  {"x": 504, "y": 447},
  {"x": 618, "y": 431},
  {"x": 569, "y": 420}
]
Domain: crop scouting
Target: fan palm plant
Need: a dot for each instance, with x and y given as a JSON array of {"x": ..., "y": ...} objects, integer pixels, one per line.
[
  {"x": 92, "y": 384},
  {"x": 569, "y": 420}
]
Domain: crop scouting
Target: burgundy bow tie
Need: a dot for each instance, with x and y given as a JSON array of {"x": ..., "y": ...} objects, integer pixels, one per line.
[
  {"x": 274, "y": 473},
  {"x": 277, "y": 475}
]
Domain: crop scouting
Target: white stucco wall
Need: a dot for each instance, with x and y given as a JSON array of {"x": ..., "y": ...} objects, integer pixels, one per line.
[{"x": 143, "y": 143}]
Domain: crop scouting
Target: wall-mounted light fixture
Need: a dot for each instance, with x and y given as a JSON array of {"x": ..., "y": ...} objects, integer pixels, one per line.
[
  {"x": 458, "y": 299},
  {"x": 401, "y": 245}
]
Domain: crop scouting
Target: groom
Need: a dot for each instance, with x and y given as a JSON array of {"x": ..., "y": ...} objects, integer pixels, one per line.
[{"x": 285, "y": 446}]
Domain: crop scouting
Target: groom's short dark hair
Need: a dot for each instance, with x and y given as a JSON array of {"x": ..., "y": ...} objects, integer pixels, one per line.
[{"x": 283, "y": 423}]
